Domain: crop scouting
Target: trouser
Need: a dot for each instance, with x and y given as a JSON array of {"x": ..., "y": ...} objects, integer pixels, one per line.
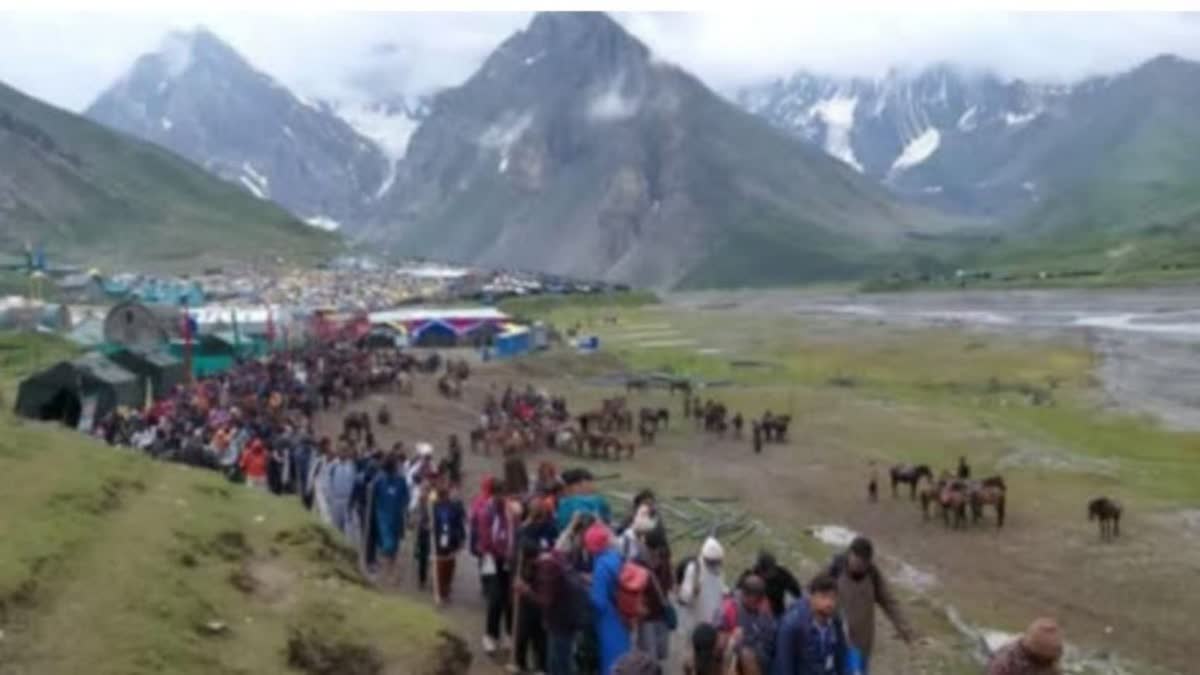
[
  {"x": 421, "y": 553},
  {"x": 499, "y": 600},
  {"x": 530, "y": 633},
  {"x": 560, "y": 653},
  {"x": 653, "y": 638},
  {"x": 444, "y": 567}
]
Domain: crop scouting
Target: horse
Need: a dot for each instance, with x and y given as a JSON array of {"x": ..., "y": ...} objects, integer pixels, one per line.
[
  {"x": 1108, "y": 512},
  {"x": 647, "y": 429},
  {"x": 636, "y": 384},
  {"x": 384, "y": 416},
  {"x": 775, "y": 427},
  {"x": 684, "y": 386},
  {"x": 912, "y": 475},
  {"x": 953, "y": 498},
  {"x": 449, "y": 387},
  {"x": 992, "y": 492}
]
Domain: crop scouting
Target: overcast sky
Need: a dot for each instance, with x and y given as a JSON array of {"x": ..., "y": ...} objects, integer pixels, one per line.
[{"x": 68, "y": 58}]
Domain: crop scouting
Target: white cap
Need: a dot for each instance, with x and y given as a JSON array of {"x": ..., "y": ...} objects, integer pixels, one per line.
[
  {"x": 712, "y": 550},
  {"x": 424, "y": 449}
]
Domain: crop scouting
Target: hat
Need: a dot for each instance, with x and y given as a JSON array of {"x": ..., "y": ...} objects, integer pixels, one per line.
[
  {"x": 424, "y": 449},
  {"x": 1043, "y": 639},
  {"x": 712, "y": 550},
  {"x": 597, "y": 538}
]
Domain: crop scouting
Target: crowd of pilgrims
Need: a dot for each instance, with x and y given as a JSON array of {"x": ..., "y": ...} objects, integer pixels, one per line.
[{"x": 570, "y": 588}]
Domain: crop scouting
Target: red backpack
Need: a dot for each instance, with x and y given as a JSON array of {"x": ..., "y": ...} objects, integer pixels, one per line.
[{"x": 631, "y": 592}]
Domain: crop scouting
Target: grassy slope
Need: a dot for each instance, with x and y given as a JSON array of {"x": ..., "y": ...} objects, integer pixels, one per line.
[
  {"x": 113, "y": 563},
  {"x": 123, "y": 197}
]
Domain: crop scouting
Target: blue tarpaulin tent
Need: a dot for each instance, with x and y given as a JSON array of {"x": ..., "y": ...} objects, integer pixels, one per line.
[{"x": 511, "y": 343}]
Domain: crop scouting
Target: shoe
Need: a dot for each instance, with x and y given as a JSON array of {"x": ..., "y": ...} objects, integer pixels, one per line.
[{"x": 489, "y": 645}]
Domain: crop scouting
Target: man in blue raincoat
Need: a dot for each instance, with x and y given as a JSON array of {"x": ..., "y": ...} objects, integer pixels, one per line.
[
  {"x": 389, "y": 499},
  {"x": 611, "y": 632}
]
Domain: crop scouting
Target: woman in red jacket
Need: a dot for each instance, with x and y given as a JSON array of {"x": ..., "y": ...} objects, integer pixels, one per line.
[{"x": 254, "y": 463}]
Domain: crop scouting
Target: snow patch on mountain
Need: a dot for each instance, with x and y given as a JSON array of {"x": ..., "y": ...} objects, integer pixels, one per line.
[
  {"x": 176, "y": 53},
  {"x": 388, "y": 179},
  {"x": 324, "y": 222},
  {"x": 837, "y": 114},
  {"x": 252, "y": 187},
  {"x": 390, "y": 131},
  {"x": 530, "y": 60},
  {"x": 611, "y": 104},
  {"x": 918, "y": 149},
  {"x": 967, "y": 121},
  {"x": 167, "y": 124},
  {"x": 503, "y": 134},
  {"x": 1016, "y": 119}
]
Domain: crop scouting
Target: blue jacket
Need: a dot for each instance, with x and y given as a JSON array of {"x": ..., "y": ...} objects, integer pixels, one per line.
[
  {"x": 593, "y": 504},
  {"x": 611, "y": 633},
  {"x": 801, "y": 648}
]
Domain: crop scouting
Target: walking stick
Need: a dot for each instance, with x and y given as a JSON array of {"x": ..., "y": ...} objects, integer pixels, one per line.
[
  {"x": 433, "y": 559},
  {"x": 516, "y": 613}
]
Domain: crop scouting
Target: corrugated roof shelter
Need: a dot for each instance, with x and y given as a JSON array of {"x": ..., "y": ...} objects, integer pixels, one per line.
[
  {"x": 159, "y": 372},
  {"x": 70, "y": 390}
]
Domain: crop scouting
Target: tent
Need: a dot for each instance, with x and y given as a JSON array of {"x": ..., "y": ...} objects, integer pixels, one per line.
[
  {"x": 78, "y": 392},
  {"x": 211, "y": 353},
  {"x": 513, "y": 342},
  {"x": 434, "y": 334},
  {"x": 157, "y": 371},
  {"x": 135, "y": 324}
]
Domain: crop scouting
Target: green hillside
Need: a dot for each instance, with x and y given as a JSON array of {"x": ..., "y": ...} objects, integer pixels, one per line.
[
  {"x": 81, "y": 188},
  {"x": 113, "y": 564}
]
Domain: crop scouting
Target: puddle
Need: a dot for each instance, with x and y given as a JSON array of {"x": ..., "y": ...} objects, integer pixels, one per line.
[
  {"x": 912, "y": 578},
  {"x": 834, "y": 535}
]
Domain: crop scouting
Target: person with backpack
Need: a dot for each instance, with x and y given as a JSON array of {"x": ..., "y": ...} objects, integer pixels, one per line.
[
  {"x": 497, "y": 547},
  {"x": 778, "y": 581},
  {"x": 745, "y": 621},
  {"x": 861, "y": 586},
  {"x": 563, "y": 597},
  {"x": 612, "y": 631},
  {"x": 702, "y": 585},
  {"x": 529, "y": 631},
  {"x": 811, "y": 639},
  {"x": 653, "y": 634}
]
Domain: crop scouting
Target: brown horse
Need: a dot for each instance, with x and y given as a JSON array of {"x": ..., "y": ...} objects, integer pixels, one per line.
[
  {"x": 953, "y": 498},
  {"x": 911, "y": 475},
  {"x": 988, "y": 492},
  {"x": 1108, "y": 512}
]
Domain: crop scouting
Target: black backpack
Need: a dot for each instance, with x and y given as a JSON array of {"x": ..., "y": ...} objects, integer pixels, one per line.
[
  {"x": 578, "y": 598},
  {"x": 681, "y": 569}
]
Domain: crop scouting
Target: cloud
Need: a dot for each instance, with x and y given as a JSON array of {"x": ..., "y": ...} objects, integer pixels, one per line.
[{"x": 360, "y": 55}]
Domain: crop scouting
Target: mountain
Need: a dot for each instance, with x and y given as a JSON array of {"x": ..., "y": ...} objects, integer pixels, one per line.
[
  {"x": 572, "y": 149},
  {"x": 1125, "y": 174},
  {"x": 942, "y": 136},
  {"x": 1099, "y": 175},
  {"x": 199, "y": 98},
  {"x": 75, "y": 185}
]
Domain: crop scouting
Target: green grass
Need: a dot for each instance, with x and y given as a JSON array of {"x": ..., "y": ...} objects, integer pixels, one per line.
[
  {"x": 919, "y": 392},
  {"x": 23, "y": 353},
  {"x": 104, "y": 197},
  {"x": 541, "y": 305},
  {"x": 114, "y": 563}
]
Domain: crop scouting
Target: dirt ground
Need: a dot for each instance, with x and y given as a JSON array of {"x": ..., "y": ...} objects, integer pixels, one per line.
[{"x": 1129, "y": 599}]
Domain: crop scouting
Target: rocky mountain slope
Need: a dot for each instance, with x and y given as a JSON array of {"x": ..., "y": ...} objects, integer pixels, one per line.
[
  {"x": 75, "y": 185},
  {"x": 573, "y": 150},
  {"x": 198, "y": 97}
]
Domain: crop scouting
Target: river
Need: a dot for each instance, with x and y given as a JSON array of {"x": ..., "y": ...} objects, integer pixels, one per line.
[{"x": 1148, "y": 340}]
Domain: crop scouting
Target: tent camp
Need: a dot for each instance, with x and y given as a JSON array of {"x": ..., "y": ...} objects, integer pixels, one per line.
[
  {"x": 158, "y": 372},
  {"x": 78, "y": 392}
]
